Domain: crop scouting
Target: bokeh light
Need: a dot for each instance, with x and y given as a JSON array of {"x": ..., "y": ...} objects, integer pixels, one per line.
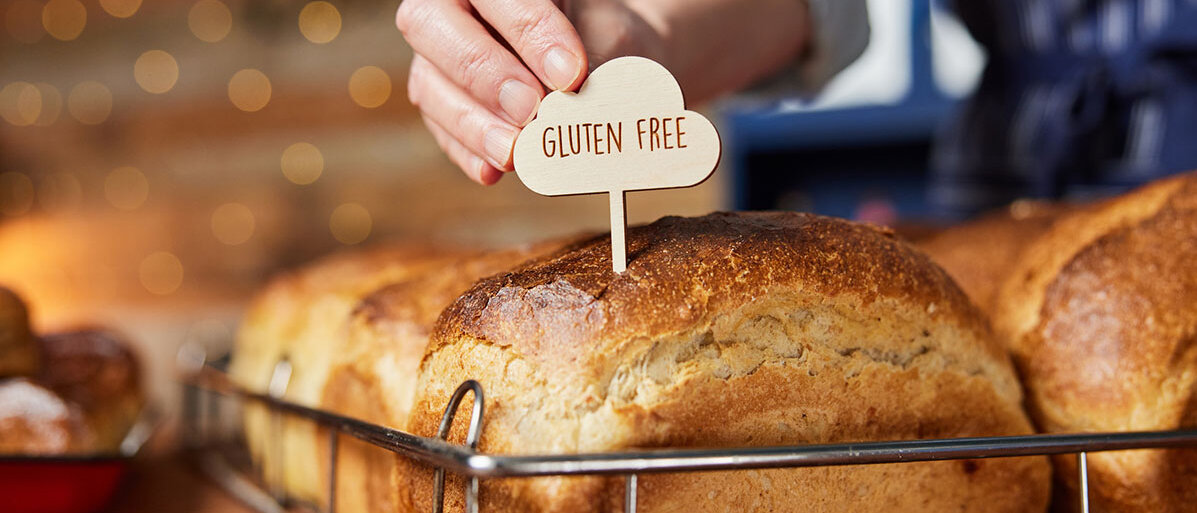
[
  {"x": 64, "y": 19},
  {"x": 60, "y": 193},
  {"x": 210, "y": 20},
  {"x": 369, "y": 86},
  {"x": 319, "y": 22},
  {"x": 120, "y": 8},
  {"x": 302, "y": 163},
  {"x": 126, "y": 188},
  {"x": 350, "y": 223},
  {"x": 156, "y": 71},
  {"x": 20, "y": 103},
  {"x": 249, "y": 90},
  {"x": 90, "y": 102},
  {"x": 233, "y": 223},
  {"x": 161, "y": 273},
  {"x": 51, "y": 106},
  {"x": 23, "y": 20},
  {"x": 16, "y": 193}
]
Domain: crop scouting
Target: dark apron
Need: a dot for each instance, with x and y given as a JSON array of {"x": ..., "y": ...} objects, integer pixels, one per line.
[{"x": 1079, "y": 99}]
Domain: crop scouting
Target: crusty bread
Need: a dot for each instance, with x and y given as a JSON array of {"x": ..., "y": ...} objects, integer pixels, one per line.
[
  {"x": 374, "y": 378},
  {"x": 1101, "y": 314},
  {"x": 36, "y": 421},
  {"x": 301, "y": 316},
  {"x": 19, "y": 352},
  {"x": 731, "y": 330},
  {"x": 980, "y": 254}
]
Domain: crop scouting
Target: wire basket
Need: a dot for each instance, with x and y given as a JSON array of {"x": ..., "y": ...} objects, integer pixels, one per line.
[{"x": 206, "y": 382}]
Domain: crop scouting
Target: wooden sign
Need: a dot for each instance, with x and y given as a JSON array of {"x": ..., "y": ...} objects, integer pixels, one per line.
[{"x": 626, "y": 129}]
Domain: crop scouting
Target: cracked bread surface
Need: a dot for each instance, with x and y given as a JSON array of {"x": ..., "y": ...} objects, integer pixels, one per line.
[
  {"x": 1101, "y": 315},
  {"x": 731, "y": 330}
]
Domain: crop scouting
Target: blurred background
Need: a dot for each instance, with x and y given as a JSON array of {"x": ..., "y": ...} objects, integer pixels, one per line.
[{"x": 160, "y": 160}]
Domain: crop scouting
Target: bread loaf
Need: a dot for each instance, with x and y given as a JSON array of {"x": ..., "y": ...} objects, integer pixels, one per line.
[
  {"x": 731, "y": 330},
  {"x": 374, "y": 378},
  {"x": 301, "y": 317},
  {"x": 96, "y": 371},
  {"x": 979, "y": 254},
  {"x": 1101, "y": 313},
  {"x": 36, "y": 421}
]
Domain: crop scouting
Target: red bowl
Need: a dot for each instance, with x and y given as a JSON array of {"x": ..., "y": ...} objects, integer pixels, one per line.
[{"x": 60, "y": 484}]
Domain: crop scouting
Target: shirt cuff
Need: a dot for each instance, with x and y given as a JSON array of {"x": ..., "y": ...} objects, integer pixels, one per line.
[{"x": 839, "y": 34}]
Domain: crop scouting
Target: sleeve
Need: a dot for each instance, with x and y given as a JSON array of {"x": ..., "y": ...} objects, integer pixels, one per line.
[{"x": 839, "y": 34}]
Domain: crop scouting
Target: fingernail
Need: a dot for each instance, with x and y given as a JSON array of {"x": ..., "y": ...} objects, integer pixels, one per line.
[
  {"x": 476, "y": 165},
  {"x": 498, "y": 144},
  {"x": 519, "y": 101},
  {"x": 561, "y": 67}
]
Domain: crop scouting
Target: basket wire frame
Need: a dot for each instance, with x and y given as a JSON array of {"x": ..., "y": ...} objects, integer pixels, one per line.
[{"x": 207, "y": 383}]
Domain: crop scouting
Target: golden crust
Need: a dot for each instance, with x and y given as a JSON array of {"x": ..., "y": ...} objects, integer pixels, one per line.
[
  {"x": 302, "y": 316},
  {"x": 374, "y": 379},
  {"x": 732, "y": 330},
  {"x": 981, "y": 253},
  {"x": 1102, "y": 315}
]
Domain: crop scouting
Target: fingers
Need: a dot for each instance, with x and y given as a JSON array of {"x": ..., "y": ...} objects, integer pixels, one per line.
[
  {"x": 471, "y": 124},
  {"x": 473, "y": 166},
  {"x": 542, "y": 36},
  {"x": 446, "y": 34}
]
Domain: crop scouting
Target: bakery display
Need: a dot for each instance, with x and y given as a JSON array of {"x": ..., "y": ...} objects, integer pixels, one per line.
[
  {"x": 75, "y": 392},
  {"x": 1101, "y": 314},
  {"x": 730, "y": 330},
  {"x": 979, "y": 254}
]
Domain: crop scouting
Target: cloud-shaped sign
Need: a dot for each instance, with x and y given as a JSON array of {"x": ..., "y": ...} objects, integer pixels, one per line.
[{"x": 627, "y": 129}]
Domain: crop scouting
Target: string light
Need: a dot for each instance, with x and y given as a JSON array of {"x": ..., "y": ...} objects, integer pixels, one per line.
[
  {"x": 23, "y": 19},
  {"x": 210, "y": 20},
  {"x": 20, "y": 103},
  {"x": 350, "y": 223},
  {"x": 369, "y": 86},
  {"x": 161, "y": 273},
  {"x": 319, "y": 22},
  {"x": 90, "y": 102},
  {"x": 302, "y": 163},
  {"x": 51, "y": 105},
  {"x": 126, "y": 188},
  {"x": 233, "y": 223},
  {"x": 16, "y": 193},
  {"x": 120, "y": 8},
  {"x": 64, "y": 19},
  {"x": 249, "y": 90},
  {"x": 156, "y": 71}
]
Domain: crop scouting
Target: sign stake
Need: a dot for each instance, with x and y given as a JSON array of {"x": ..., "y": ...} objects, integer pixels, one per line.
[{"x": 619, "y": 225}]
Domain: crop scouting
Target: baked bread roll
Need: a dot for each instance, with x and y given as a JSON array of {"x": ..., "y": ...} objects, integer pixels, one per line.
[
  {"x": 980, "y": 254},
  {"x": 96, "y": 371},
  {"x": 36, "y": 421},
  {"x": 301, "y": 316},
  {"x": 375, "y": 378},
  {"x": 19, "y": 352},
  {"x": 1101, "y": 314},
  {"x": 731, "y": 330}
]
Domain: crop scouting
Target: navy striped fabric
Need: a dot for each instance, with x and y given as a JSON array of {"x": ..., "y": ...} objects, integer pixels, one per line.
[{"x": 1080, "y": 98}]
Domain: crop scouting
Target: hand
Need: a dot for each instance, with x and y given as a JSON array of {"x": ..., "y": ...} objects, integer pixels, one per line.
[{"x": 478, "y": 69}]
